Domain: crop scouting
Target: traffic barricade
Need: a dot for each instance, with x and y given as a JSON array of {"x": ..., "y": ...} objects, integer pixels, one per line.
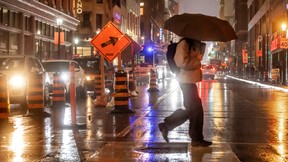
[
  {"x": 36, "y": 94},
  {"x": 153, "y": 82},
  {"x": 131, "y": 82},
  {"x": 4, "y": 99},
  {"x": 121, "y": 95},
  {"x": 97, "y": 84},
  {"x": 58, "y": 98},
  {"x": 109, "y": 85}
]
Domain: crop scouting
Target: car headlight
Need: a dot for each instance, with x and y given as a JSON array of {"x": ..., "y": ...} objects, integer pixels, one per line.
[
  {"x": 88, "y": 77},
  {"x": 47, "y": 79},
  {"x": 17, "y": 81},
  {"x": 65, "y": 77}
]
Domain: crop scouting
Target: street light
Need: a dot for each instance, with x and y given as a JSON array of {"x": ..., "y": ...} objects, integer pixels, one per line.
[
  {"x": 76, "y": 41},
  {"x": 59, "y": 22},
  {"x": 284, "y": 27}
]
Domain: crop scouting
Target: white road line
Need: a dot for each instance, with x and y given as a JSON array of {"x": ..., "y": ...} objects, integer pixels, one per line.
[
  {"x": 260, "y": 84},
  {"x": 159, "y": 100}
]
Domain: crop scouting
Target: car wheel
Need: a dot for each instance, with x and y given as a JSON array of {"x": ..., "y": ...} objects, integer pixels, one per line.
[
  {"x": 46, "y": 95},
  {"x": 24, "y": 107},
  {"x": 67, "y": 94},
  {"x": 81, "y": 92}
]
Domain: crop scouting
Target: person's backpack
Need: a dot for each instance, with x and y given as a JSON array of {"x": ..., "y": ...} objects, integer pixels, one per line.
[{"x": 171, "y": 50}]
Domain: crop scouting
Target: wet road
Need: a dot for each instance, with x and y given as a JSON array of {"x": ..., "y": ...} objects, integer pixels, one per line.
[{"x": 246, "y": 122}]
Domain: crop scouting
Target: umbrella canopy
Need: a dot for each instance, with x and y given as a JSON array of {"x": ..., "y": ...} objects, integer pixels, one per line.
[{"x": 200, "y": 27}]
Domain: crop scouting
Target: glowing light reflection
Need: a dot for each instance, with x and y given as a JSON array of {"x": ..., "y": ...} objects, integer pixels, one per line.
[
  {"x": 67, "y": 116},
  {"x": 48, "y": 132},
  {"x": 89, "y": 104},
  {"x": 89, "y": 118},
  {"x": 168, "y": 157},
  {"x": 17, "y": 143},
  {"x": 67, "y": 149},
  {"x": 174, "y": 82},
  {"x": 281, "y": 133},
  {"x": 281, "y": 149}
]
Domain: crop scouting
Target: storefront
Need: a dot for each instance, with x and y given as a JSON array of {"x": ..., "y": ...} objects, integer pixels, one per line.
[
  {"x": 278, "y": 47},
  {"x": 28, "y": 28}
]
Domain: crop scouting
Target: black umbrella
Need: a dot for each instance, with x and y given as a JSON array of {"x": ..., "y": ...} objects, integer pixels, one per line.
[{"x": 200, "y": 27}]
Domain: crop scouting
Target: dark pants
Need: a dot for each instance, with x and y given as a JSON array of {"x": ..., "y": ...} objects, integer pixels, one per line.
[{"x": 193, "y": 111}]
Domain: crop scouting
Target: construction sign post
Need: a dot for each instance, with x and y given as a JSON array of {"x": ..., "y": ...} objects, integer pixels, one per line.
[{"x": 110, "y": 42}]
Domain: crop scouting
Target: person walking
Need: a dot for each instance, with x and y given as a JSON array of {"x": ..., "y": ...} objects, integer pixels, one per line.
[{"x": 188, "y": 56}]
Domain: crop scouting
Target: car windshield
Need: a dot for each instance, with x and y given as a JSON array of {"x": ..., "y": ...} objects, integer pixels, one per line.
[
  {"x": 207, "y": 67},
  {"x": 9, "y": 64},
  {"x": 56, "y": 66},
  {"x": 89, "y": 65}
]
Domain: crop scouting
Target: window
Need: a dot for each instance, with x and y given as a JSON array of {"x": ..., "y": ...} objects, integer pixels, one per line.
[
  {"x": 27, "y": 23},
  {"x": 98, "y": 21},
  {"x": 11, "y": 19},
  {"x": 37, "y": 64},
  {"x": 17, "y": 20},
  {"x": 141, "y": 11},
  {"x": 30, "y": 64},
  {"x": 86, "y": 19},
  {"x": 4, "y": 16},
  {"x": 116, "y": 2},
  {"x": 43, "y": 28}
]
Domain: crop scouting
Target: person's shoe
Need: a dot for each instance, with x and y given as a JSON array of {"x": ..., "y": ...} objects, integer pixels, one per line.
[
  {"x": 164, "y": 131},
  {"x": 201, "y": 143}
]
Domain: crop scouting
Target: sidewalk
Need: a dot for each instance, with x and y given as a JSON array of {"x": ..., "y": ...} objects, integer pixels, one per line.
[{"x": 264, "y": 84}]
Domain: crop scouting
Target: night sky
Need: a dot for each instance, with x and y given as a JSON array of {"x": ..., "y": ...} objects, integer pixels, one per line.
[{"x": 208, "y": 7}]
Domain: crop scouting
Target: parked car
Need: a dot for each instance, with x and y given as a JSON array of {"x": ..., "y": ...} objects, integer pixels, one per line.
[
  {"x": 63, "y": 66},
  {"x": 208, "y": 72},
  {"x": 91, "y": 67},
  {"x": 19, "y": 71}
]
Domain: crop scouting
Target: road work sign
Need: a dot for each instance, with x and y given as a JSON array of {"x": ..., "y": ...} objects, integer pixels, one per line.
[{"x": 110, "y": 42}]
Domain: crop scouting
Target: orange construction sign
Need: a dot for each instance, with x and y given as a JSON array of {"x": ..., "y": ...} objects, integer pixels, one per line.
[
  {"x": 244, "y": 56},
  {"x": 110, "y": 41}
]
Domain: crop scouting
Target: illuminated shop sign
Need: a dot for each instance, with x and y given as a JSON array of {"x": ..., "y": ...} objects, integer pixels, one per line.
[
  {"x": 161, "y": 34},
  {"x": 117, "y": 18},
  {"x": 79, "y": 6},
  {"x": 279, "y": 43}
]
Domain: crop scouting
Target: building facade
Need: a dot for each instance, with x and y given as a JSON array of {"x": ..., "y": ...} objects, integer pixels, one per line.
[
  {"x": 171, "y": 9},
  {"x": 152, "y": 21},
  {"x": 225, "y": 51},
  {"x": 29, "y": 28},
  {"x": 267, "y": 41},
  {"x": 241, "y": 28}
]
